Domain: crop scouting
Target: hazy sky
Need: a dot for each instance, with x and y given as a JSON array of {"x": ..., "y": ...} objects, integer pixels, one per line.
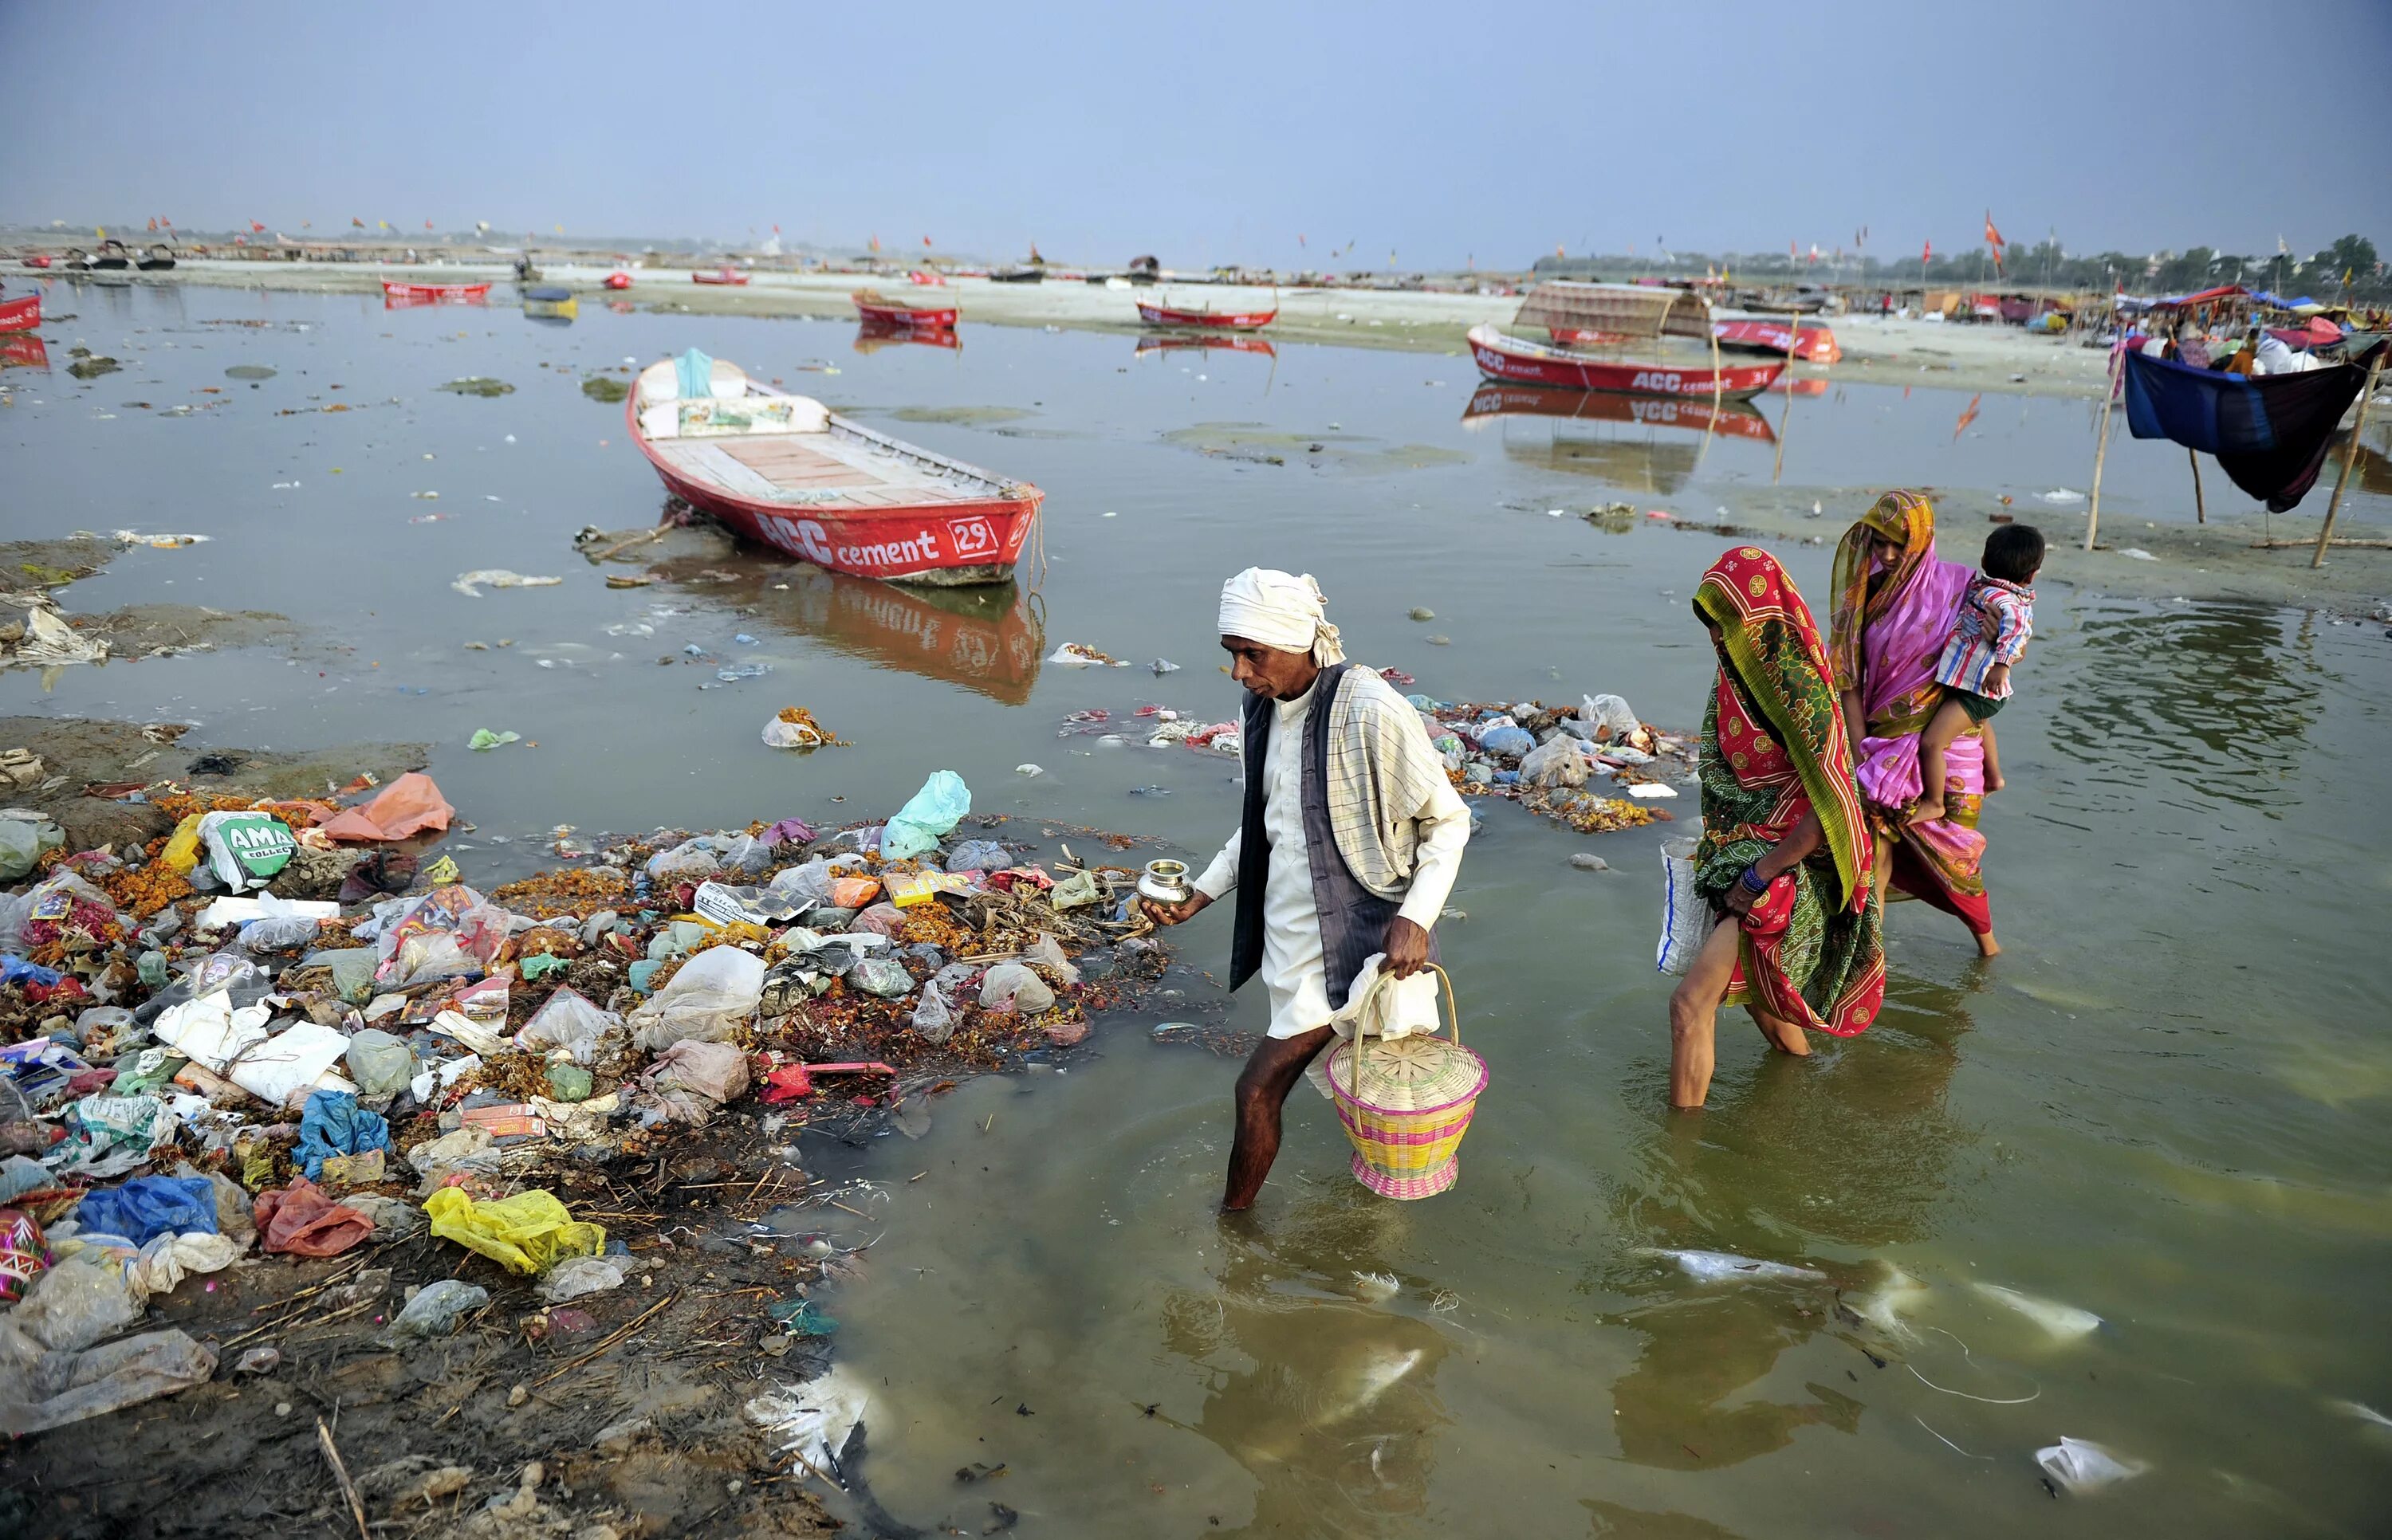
[{"x": 1220, "y": 132}]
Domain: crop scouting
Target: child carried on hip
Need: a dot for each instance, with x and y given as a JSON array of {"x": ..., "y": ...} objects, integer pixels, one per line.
[{"x": 1989, "y": 636}]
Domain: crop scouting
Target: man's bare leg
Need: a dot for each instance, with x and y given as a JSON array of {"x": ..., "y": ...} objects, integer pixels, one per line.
[
  {"x": 1262, "y": 1091},
  {"x": 1694, "y": 1015}
]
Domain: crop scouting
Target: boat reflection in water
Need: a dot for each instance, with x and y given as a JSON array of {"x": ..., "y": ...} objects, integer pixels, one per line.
[
  {"x": 871, "y": 336},
  {"x": 24, "y": 352},
  {"x": 1782, "y": 386},
  {"x": 989, "y": 638},
  {"x": 1639, "y": 443},
  {"x": 1179, "y": 341}
]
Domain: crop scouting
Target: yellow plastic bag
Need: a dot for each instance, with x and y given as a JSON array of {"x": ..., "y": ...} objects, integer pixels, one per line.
[
  {"x": 182, "y": 852},
  {"x": 528, "y": 1232}
]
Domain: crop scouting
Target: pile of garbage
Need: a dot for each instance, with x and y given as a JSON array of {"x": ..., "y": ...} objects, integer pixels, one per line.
[
  {"x": 281, "y": 1029},
  {"x": 1547, "y": 758}
]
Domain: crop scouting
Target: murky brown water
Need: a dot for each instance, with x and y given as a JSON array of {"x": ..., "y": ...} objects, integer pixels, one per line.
[{"x": 2164, "y": 1104}]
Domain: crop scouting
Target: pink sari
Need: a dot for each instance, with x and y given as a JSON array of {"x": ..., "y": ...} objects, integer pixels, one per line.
[{"x": 1901, "y": 635}]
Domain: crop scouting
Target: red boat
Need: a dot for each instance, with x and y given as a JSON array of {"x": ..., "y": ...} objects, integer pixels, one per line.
[
  {"x": 1153, "y": 313},
  {"x": 928, "y": 281},
  {"x": 40, "y": 259},
  {"x": 872, "y": 336},
  {"x": 720, "y": 275},
  {"x": 1814, "y": 344},
  {"x": 20, "y": 315},
  {"x": 436, "y": 293},
  {"x": 1518, "y": 360},
  {"x": 785, "y": 471},
  {"x": 619, "y": 280},
  {"x": 876, "y": 307}
]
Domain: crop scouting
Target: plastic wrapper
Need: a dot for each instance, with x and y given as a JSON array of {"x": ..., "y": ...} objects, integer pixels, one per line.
[
  {"x": 570, "y": 1021},
  {"x": 808, "y": 885},
  {"x": 854, "y": 892},
  {"x": 2081, "y": 1467},
  {"x": 467, "y": 1152},
  {"x": 527, "y": 1234},
  {"x": 108, "y": 1136},
  {"x": 69, "y": 1386},
  {"x": 147, "y": 1207},
  {"x": 286, "y": 1067},
  {"x": 24, "y": 1256},
  {"x": 1686, "y": 915},
  {"x": 301, "y": 1221},
  {"x": 910, "y": 889},
  {"x": 712, "y": 995},
  {"x": 335, "y": 1124},
  {"x": 725, "y": 904},
  {"x": 408, "y": 806},
  {"x": 437, "y": 1309},
  {"x": 928, "y": 817},
  {"x": 381, "y": 1064},
  {"x": 1012, "y": 987},
  {"x": 282, "y": 933},
  {"x": 883, "y": 919},
  {"x": 246, "y": 849},
  {"x": 83, "y": 1299}
]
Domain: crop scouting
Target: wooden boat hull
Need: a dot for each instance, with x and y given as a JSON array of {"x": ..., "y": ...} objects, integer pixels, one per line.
[
  {"x": 23, "y": 314},
  {"x": 1207, "y": 320},
  {"x": 949, "y": 543},
  {"x": 1731, "y": 419},
  {"x": 884, "y": 312},
  {"x": 1516, "y": 360},
  {"x": 1815, "y": 344},
  {"x": 436, "y": 293}
]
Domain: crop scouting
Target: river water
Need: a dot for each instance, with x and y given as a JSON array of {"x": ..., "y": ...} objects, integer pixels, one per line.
[{"x": 2162, "y": 1106}]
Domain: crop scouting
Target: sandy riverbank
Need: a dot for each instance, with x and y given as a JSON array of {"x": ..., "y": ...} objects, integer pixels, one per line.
[{"x": 1989, "y": 358}]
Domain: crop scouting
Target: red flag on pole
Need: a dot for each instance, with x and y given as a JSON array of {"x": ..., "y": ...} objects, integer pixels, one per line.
[
  {"x": 153, "y": 221},
  {"x": 257, "y": 228},
  {"x": 1926, "y": 253},
  {"x": 1993, "y": 236}
]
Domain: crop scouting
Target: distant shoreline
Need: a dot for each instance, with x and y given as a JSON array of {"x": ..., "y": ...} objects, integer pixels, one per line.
[{"x": 1994, "y": 359}]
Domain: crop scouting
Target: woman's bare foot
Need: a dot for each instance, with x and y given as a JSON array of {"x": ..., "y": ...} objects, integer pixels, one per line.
[
  {"x": 1987, "y": 946},
  {"x": 1927, "y": 809}
]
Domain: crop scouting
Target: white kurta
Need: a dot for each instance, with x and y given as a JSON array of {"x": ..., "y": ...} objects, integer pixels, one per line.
[{"x": 1293, "y": 967}]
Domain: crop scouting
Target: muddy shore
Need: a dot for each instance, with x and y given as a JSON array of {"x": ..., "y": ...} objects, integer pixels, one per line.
[{"x": 1994, "y": 359}]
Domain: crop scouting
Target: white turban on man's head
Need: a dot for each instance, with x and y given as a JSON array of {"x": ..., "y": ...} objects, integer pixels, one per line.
[{"x": 1282, "y": 611}]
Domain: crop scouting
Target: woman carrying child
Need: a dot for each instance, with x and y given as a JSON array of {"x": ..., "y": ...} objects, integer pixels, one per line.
[{"x": 1895, "y": 607}]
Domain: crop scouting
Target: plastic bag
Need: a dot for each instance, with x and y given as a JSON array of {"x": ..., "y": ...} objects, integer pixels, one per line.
[
  {"x": 528, "y": 1232},
  {"x": 690, "y": 861},
  {"x": 147, "y": 1207},
  {"x": 568, "y": 1021},
  {"x": 285, "y": 1068},
  {"x": 933, "y": 1018},
  {"x": 23, "y": 837},
  {"x": 1686, "y": 916},
  {"x": 978, "y": 855},
  {"x": 854, "y": 892},
  {"x": 335, "y": 1124},
  {"x": 182, "y": 851},
  {"x": 437, "y": 1309},
  {"x": 280, "y": 933},
  {"x": 1610, "y": 715},
  {"x": 1011, "y": 986},
  {"x": 747, "y": 856},
  {"x": 928, "y": 817},
  {"x": 713, "y": 994},
  {"x": 808, "y": 885},
  {"x": 299, "y": 1218},
  {"x": 577, "y": 1276},
  {"x": 1554, "y": 763},
  {"x": 408, "y": 806},
  {"x": 24, "y": 1256},
  {"x": 72, "y": 1387},
  {"x": 882, "y": 919},
  {"x": 167, "y": 1259},
  {"x": 245, "y": 850},
  {"x": 381, "y": 1064},
  {"x": 1048, "y": 953},
  {"x": 2082, "y": 1466},
  {"x": 882, "y": 977},
  {"x": 1510, "y": 742},
  {"x": 74, "y": 1304}
]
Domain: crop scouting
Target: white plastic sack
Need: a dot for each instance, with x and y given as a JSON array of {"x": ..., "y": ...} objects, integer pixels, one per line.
[
  {"x": 1686, "y": 917},
  {"x": 713, "y": 994},
  {"x": 1554, "y": 763},
  {"x": 287, "y": 1068},
  {"x": 210, "y": 1031},
  {"x": 2081, "y": 1467},
  {"x": 169, "y": 1259},
  {"x": 571, "y": 1022},
  {"x": 1385, "y": 1007},
  {"x": 1012, "y": 987},
  {"x": 1610, "y": 713},
  {"x": 246, "y": 849}
]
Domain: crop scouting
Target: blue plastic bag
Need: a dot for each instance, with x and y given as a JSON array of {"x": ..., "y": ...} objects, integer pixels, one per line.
[
  {"x": 335, "y": 1124},
  {"x": 148, "y": 1207},
  {"x": 1510, "y": 741},
  {"x": 929, "y": 818}
]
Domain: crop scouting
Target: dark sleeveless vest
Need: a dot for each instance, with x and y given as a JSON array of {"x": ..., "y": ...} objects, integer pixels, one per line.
[{"x": 1352, "y": 919}]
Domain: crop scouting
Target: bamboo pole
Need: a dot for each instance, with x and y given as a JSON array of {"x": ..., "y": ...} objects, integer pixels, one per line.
[
  {"x": 2200, "y": 509},
  {"x": 2350, "y": 457},
  {"x": 1719, "y": 385},
  {"x": 2093, "y": 516}
]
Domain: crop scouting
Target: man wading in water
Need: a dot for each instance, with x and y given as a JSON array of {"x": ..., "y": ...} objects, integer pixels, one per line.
[{"x": 1350, "y": 843}]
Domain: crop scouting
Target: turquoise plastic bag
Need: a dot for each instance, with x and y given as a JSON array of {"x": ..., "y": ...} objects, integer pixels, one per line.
[{"x": 929, "y": 817}]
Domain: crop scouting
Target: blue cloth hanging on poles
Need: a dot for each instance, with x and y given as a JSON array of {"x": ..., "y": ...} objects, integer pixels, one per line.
[{"x": 2270, "y": 433}]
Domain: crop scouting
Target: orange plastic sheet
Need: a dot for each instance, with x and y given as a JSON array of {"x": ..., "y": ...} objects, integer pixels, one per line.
[{"x": 408, "y": 806}]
